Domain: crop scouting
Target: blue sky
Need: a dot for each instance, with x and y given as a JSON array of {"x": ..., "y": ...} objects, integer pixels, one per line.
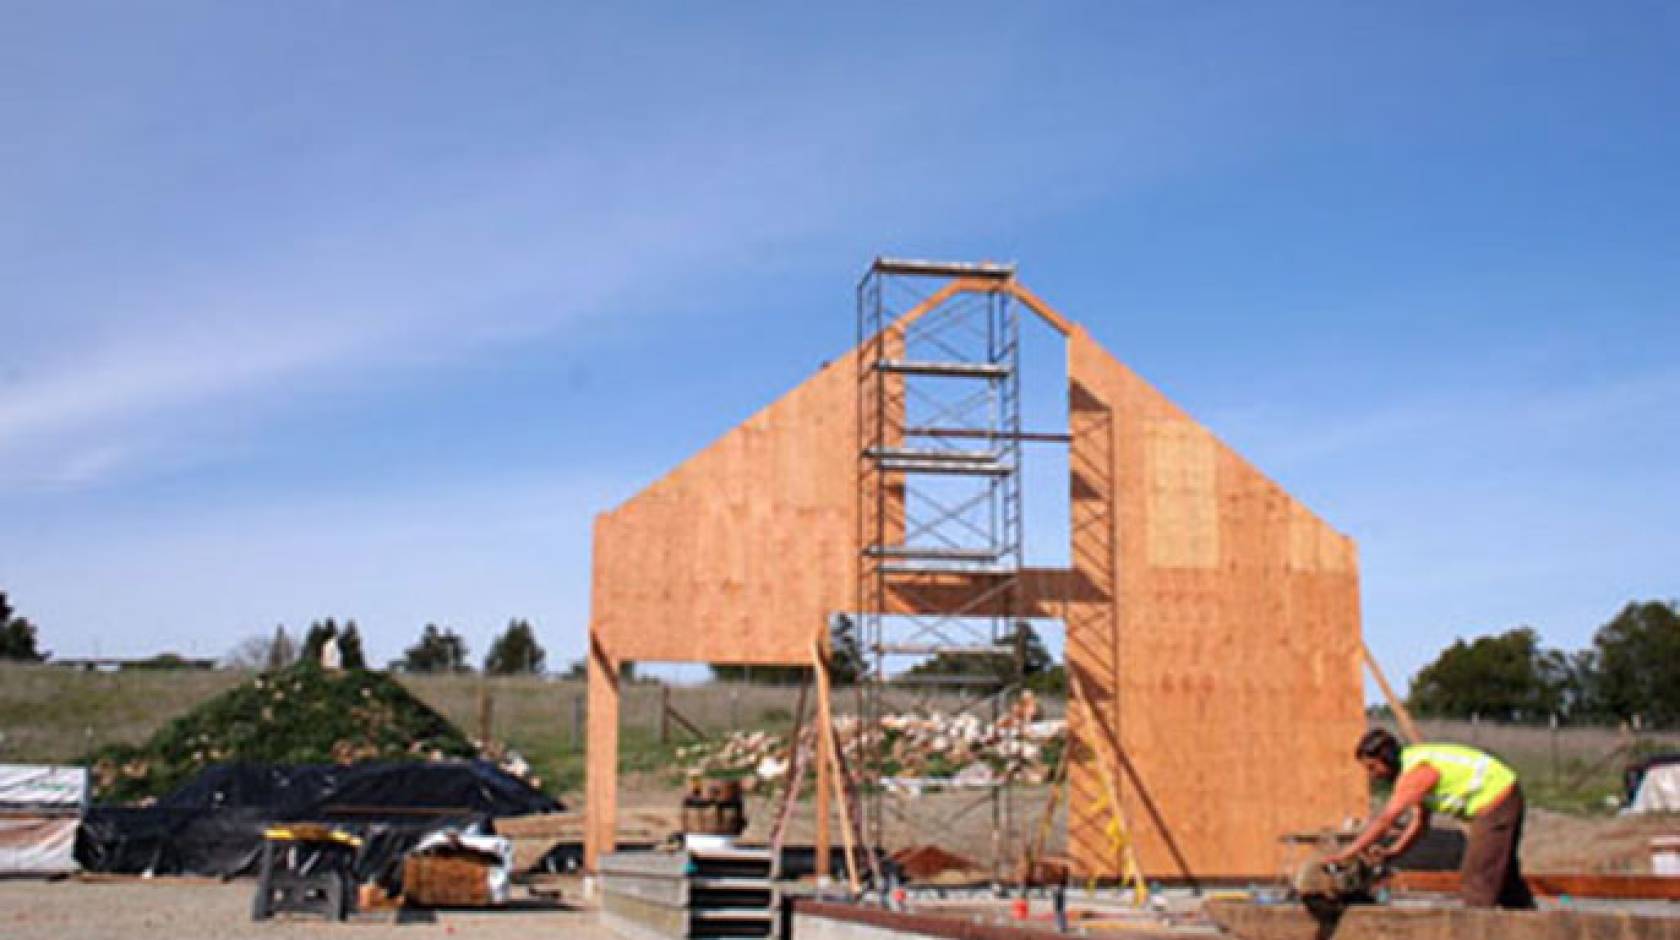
[{"x": 364, "y": 310}]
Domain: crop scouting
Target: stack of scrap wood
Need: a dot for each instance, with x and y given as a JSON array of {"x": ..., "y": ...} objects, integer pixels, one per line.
[
  {"x": 917, "y": 752},
  {"x": 457, "y": 870},
  {"x": 447, "y": 880}
]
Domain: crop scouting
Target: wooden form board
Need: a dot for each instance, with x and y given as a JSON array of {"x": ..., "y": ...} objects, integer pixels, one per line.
[{"x": 1214, "y": 620}]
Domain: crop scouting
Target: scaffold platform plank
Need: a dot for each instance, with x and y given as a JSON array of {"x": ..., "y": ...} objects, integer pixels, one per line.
[
  {"x": 922, "y": 268},
  {"x": 931, "y": 553},
  {"x": 979, "y": 468},
  {"x": 950, "y": 370},
  {"x": 943, "y": 649},
  {"x": 945, "y": 455}
]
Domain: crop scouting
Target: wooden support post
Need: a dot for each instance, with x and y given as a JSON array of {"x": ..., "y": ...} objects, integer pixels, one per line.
[
  {"x": 837, "y": 779},
  {"x": 825, "y": 761},
  {"x": 601, "y": 761},
  {"x": 1401, "y": 715},
  {"x": 795, "y": 779},
  {"x": 671, "y": 714}
]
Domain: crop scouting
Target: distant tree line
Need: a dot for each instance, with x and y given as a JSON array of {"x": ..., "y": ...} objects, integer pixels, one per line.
[
  {"x": 438, "y": 650},
  {"x": 514, "y": 651},
  {"x": 1631, "y": 669}
]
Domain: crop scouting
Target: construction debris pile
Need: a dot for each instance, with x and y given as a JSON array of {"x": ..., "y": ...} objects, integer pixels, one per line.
[
  {"x": 303, "y": 715},
  {"x": 917, "y": 752}
]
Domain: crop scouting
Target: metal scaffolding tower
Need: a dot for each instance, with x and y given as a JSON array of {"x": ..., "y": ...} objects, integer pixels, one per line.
[{"x": 939, "y": 510}]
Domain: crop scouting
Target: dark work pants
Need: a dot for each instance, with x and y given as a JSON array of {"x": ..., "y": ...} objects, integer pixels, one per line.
[{"x": 1492, "y": 875}]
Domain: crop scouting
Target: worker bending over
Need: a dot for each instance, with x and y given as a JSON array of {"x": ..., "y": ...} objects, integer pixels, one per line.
[{"x": 1459, "y": 781}]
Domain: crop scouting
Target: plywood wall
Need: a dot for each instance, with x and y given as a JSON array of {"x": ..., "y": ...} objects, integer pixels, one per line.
[
  {"x": 740, "y": 553},
  {"x": 1220, "y": 642},
  {"x": 1212, "y": 618}
]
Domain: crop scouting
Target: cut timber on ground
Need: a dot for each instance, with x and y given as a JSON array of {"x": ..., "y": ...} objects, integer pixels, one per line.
[{"x": 1249, "y": 921}]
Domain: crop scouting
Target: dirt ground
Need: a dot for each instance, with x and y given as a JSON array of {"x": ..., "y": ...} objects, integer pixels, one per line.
[
  {"x": 1616, "y": 845},
  {"x": 193, "y": 909},
  {"x": 962, "y": 823},
  {"x": 188, "y": 909},
  {"x": 959, "y": 822}
]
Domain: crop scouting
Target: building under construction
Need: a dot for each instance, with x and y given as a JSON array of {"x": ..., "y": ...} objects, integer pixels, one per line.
[{"x": 1212, "y": 630}]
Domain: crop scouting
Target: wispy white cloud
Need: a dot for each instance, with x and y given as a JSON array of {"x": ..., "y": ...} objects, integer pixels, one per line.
[
  {"x": 635, "y": 197},
  {"x": 1436, "y": 419},
  {"x": 529, "y": 244}
]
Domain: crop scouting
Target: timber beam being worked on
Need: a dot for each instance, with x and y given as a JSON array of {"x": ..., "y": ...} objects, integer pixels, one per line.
[
  {"x": 1607, "y": 887},
  {"x": 1249, "y": 921}
]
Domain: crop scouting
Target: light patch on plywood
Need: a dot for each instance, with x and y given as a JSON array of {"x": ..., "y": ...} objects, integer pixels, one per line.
[
  {"x": 1182, "y": 521},
  {"x": 1314, "y": 546}
]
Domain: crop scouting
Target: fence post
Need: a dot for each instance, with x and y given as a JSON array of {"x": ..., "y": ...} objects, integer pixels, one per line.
[
  {"x": 1557, "y": 769},
  {"x": 664, "y": 713},
  {"x": 1476, "y": 728},
  {"x": 577, "y": 722}
]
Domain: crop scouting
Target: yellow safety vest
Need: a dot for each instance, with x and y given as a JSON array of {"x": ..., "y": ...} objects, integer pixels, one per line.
[{"x": 1470, "y": 779}]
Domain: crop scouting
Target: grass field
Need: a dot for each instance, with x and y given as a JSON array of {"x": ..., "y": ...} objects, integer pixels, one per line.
[
  {"x": 50, "y": 714},
  {"x": 1570, "y": 769}
]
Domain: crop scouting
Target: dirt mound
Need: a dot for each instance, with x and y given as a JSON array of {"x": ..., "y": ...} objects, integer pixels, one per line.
[{"x": 302, "y": 715}]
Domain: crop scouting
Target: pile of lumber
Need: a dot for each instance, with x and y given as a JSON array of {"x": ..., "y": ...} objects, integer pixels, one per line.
[{"x": 917, "y": 752}]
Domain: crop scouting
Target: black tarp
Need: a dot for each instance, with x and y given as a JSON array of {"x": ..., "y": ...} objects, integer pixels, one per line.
[{"x": 213, "y": 823}]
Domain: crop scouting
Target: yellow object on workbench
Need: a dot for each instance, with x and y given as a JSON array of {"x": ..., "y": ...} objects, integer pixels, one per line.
[{"x": 310, "y": 832}]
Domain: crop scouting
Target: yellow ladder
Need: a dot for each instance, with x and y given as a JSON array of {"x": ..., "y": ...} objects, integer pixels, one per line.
[{"x": 1118, "y": 832}]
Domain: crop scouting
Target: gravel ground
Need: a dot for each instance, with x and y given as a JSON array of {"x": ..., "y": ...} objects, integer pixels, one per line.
[{"x": 170, "y": 909}]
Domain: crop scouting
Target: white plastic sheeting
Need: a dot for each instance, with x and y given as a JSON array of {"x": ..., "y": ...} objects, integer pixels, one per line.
[
  {"x": 38, "y": 846},
  {"x": 40, "y": 786},
  {"x": 40, "y": 811},
  {"x": 1659, "y": 791}
]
